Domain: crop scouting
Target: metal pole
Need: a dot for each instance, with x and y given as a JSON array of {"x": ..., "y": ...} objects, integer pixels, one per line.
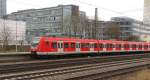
[{"x": 16, "y": 35}]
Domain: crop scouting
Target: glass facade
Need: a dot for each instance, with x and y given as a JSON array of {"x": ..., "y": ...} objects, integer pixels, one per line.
[
  {"x": 48, "y": 20},
  {"x": 2, "y": 8},
  {"x": 146, "y": 17}
]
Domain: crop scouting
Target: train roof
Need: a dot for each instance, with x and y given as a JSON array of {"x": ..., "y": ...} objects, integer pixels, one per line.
[{"x": 88, "y": 40}]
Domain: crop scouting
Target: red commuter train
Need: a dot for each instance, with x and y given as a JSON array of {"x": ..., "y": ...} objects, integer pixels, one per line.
[{"x": 64, "y": 46}]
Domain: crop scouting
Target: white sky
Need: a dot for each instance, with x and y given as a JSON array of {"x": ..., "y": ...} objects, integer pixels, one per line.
[{"x": 106, "y": 8}]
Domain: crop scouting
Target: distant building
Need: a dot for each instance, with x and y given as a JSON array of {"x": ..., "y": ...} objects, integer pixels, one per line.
[
  {"x": 128, "y": 28},
  {"x": 2, "y": 8},
  {"x": 59, "y": 20},
  {"x": 13, "y": 31},
  {"x": 101, "y": 28},
  {"x": 146, "y": 12}
]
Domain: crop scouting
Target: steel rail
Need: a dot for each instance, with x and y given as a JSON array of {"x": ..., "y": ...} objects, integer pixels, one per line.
[
  {"x": 50, "y": 64},
  {"x": 61, "y": 73}
]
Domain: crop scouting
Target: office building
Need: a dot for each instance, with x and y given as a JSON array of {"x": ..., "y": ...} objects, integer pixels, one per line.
[
  {"x": 60, "y": 20},
  {"x": 2, "y": 8}
]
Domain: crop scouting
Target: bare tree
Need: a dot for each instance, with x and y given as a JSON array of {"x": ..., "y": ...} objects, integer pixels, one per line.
[
  {"x": 5, "y": 35},
  {"x": 75, "y": 21},
  {"x": 113, "y": 31},
  {"x": 133, "y": 38}
]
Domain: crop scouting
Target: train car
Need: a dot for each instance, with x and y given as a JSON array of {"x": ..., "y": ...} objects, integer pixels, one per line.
[{"x": 64, "y": 46}]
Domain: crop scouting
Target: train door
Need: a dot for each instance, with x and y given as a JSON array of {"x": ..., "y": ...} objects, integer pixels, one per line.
[
  {"x": 91, "y": 47},
  {"x": 60, "y": 47},
  {"x": 78, "y": 47}
]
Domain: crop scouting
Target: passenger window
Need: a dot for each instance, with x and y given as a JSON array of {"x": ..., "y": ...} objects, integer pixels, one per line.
[
  {"x": 126, "y": 46},
  {"x": 145, "y": 46},
  {"x": 95, "y": 45},
  {"x": 133, "y": 46},
  {"x": 59, "y": 46},
  {"x": 107, "y": 45},
  {"x": 91, "y": 45},
  {"x": 82, "y": 45},
  {"x": 72, "y": 45},
  {"x": 87, "y": 45},
  {"x": 118, "y": 46},
  {"x": 66, "y": 45},
  {"x": 140, "y": 46},
  {"x": 101, "y": 45},
  {"x": 54, "y": 45},
  {"x": 77, "y": 45},
  {"x": 112, "y": 46}
]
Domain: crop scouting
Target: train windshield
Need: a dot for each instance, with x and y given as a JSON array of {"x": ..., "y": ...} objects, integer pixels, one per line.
[{"x": 35, "y": 41}]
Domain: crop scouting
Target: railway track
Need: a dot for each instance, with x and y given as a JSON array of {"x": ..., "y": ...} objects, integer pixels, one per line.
[
  {"x": 45, "y": 68},
  {"x": 76, "y": 72},
  {"x": 18, "y": 57},
  {"x": 50, "y": 64}
]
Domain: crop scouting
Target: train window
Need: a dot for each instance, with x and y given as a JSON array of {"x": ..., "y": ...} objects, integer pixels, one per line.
[
  {"x": 82, "y": 45},
  {"x": 79, "y": 45},
  {"x": 126, "y": 45},
  {"x": 118, "y": 46},
  {"x": 133, "y": 46},
  {"x": 145, "y": 46},
  {"x": 66, "y": 45},
  {"x": 54, "y": 45},
  {"x": 112, "y": 46},
  {"x": 95, "y": 45},
  {"x": 108, "y": 46},
  {"x": 140, "y": 46},
  {"x": 72, "y": 45},
  {"x": 87, "y": 45},
  {"x": 59, "y": 45},
  {"x": 101, "y": 45},
  {"x": 91, "y": 45}
]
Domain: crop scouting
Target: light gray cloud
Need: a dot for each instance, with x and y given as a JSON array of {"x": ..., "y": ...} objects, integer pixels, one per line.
[{"x": 107, "y": 8}]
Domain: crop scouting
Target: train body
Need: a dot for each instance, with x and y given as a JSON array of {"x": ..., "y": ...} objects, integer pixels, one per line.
[{"x": 64, "y": 46}]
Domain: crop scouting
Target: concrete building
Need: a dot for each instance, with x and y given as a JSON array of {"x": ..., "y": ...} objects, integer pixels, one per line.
[
  {"x": 12, "y": 31},
  {"x": 146, "y": 17},
  {"x": 2, "y": 8},
  {"x": 127, "y": 28},
  {"x": 59, "y": 20},
  {"x": 130, "y": 27},
  {"x": 101, "y": 28}
]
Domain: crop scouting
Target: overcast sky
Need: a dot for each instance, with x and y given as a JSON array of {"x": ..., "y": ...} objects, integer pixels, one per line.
[{"x": 106, "y": 8}]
